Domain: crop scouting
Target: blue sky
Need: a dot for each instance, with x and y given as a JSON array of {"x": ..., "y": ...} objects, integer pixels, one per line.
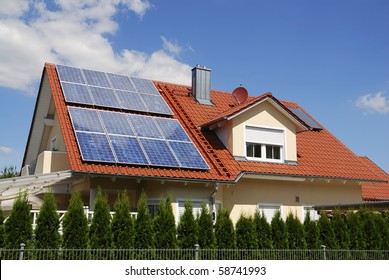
[{"x": 332, "y": 57}]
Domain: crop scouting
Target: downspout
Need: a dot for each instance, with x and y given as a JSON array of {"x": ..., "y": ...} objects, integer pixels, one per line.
[{"x": 212, "y": 201}]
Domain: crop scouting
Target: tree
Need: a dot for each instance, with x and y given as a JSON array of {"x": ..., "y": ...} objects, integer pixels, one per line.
[
  {"x": 9, "y": 172},
  {"x": 164, "y": 225},
  {"x": 122, "y": 223},
  {"x": 18, "y": 227},
  {"x": 100, "y": 234},
  {"x": 75, "y": 224},
  {"x": 2, "y": 231},
  {"x": 187, "y": 230},
  {"x": 263, "y": 231},
  {"x": 205, "y": 222},
  {"x": 144, "y": 238},
  {"x": 296, "y": 233},
  {"x": 224, "y": 231},
  {"x": 341, "y": 232},
  {"x": 246, "y": 236},
  {"x": 312, "y": 234},
  {"x": 279, "y": 232},
  {"x": 372, "y": 236},
  {"x": 326, "y": 232},
  {"x": 383, "y": 229},
  {"x": 47, "y": 224}
]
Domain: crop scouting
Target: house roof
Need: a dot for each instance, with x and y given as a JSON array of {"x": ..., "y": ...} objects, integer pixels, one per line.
[
  {"x": 375, "y": 191},
  {"x": 320, "y": 154}
]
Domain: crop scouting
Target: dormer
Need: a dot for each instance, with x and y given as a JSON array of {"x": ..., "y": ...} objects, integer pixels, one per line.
[{"x": 261, "y": 129}]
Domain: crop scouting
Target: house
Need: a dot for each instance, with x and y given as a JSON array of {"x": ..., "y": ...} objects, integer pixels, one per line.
[{"x": 231, "y": 150}]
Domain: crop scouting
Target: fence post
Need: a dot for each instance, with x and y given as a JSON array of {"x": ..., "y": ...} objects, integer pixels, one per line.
[
  {"x": 197, "y": 246},
  {"x": 323, "y": 247},
  {"x": 21, "y": 254}
]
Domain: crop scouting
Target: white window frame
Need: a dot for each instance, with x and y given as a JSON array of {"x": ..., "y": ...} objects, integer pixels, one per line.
[
  {"x": 263, "y": 144},
  {"x": 262, "y": 206},
  {"x": 312, "y": 212},
  {"x": 195, "y": 210}
]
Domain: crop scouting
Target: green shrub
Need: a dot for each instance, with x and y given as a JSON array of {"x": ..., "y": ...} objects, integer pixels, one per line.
[
  {"x": 279, "y": 232},
  {"x": 164, "y": 225},
  {"x": 187, "y": 230},
  {"x": 263, "y": 230},
  {"x": 224, "y": 231},
  {"x": 122, "y": 223},
  {"x": 206, "y": 234},
  {"x": 144, "y": 235},
  {"x": 296, "y": 232}
]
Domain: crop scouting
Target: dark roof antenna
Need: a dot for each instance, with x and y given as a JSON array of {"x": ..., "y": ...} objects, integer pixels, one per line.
[{"x": 239, "y": 95}]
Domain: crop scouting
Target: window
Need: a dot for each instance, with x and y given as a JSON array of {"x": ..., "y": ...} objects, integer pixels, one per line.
[
  {"x": 312, "y": 213},
  {"x": 264, "y": 144},
  {"x": 269, "y": 210},
  {"x": 53, "y": 145}
]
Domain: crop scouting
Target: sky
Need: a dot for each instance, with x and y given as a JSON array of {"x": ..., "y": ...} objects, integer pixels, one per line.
[{"x": 330, "y": 56}]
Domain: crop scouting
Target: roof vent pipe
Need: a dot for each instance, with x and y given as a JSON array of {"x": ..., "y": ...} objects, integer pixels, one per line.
[{"x": 201, "y": 84}]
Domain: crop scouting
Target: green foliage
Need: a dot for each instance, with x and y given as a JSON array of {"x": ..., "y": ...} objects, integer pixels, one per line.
[
  {"x": 341, "y": 232},
  {"x": 144, "y": 237},
  {"x": 18, "y": 227},
  {"x": 263, "y": 230},
  {"x": 383, "y": 229},
  {"x": 9, "y": 172},
  {"x": 187, "y": 230},
  {"x": 47, "y": 224},
  {"x": 165, "y": 226},
  {"x": 75, "y": 224},
  {"x": 122, "y": 223},
  {"x": 206, "y": 234},
  {"x": 224, "y": 231},
  {"x": 100, "y": 234},
  {"x": 312, "y": 234},
  {"x": 355, "y": 230},
  {"x": 372, "y": 235},
  {"x": 2, "y": 231},
  {"x": 326, "y": 232},
  {"x": 296, "y": 232},
  {"x": 246, "y": 236},
  {"x": 279, "y": 232}
]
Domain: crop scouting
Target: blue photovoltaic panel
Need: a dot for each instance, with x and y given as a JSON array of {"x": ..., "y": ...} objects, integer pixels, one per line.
[
  {"x": 128, "y": 150},
  {"x": 94, "y": 147},
  {"x": 145, "y": 127},
  {"x": 70, "y": 74},
  {"x": 188, "y": 155},
  {"x": 96, "y": 78},
  {"x": 159, "y": 152},
  {"x": 145, "y": 86},
  {"x": 85, "y": 120},
  {"x": 131, "y": 101},
  {"x": 156, "y": 104},
  {"x": 76, "y": 93},
  {"x": 104, "y": 97},
  {"x": 172, "y": 129},
  {"x": 121, "y": 82},
  {"x": 116, "y": 123},
  {"x": 307, "y": 119}
]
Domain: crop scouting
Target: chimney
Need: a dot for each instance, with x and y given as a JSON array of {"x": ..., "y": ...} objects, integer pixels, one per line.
[{"x": 201, "y": 84}]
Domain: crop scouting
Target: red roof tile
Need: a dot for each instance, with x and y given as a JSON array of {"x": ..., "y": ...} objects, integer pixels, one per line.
[
  {"x": 375, "y": 191},
  {"x": 320, "y": 153}
]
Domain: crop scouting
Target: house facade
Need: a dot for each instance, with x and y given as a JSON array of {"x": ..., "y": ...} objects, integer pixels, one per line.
[{"x": 94, "y": 129}]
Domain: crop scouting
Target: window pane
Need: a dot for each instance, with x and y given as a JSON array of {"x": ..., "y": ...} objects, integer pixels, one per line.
[
  {"x": 269, "y": 151},
  {"x": 276, "y": 152},
  {"x": 257, "y": 150},
  {"x": 250, "y": 150}
]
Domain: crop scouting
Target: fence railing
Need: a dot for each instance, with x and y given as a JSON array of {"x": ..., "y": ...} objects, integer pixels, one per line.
[{"x": 189, "y": 254}]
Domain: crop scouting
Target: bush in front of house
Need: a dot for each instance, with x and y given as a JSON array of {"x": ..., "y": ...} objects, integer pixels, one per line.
[
  {"x": 122, "y": 223},
  {"x": 164, "y": 225}
]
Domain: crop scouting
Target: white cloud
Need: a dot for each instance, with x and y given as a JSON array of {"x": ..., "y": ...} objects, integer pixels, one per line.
[
  {"x": 374, "y": 103},
  {"x": 5, "y": 150},
  {"x": 74, "y": 32}
]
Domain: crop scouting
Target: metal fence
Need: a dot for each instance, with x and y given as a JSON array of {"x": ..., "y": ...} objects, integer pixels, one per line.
[{"x": 190, "y": 254}]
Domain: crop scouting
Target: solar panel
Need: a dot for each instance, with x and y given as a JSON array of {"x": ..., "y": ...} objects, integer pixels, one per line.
[
  {"x": 128, "y": 150},
  {"x": 116, "y": 123},
  {"x": 159, "y": 153},
  {"x": 85, "y": 120},
  {"x": 121, "y": 82},
  {"x": 156, "y": 104},
  {"x": 188, "y": 155},
  {"x": 94, "y": 147},
  {"x": 172, "y": 129},
  {"x": 144, "y": 126},
  {"x": 306, "y": 118},
  {"x": 96, "y": 78},
  {"x": 131, "y": 101},
  {"x": 144, "y": 86},
  {"x": 70, "y": 74},
  {"x": 104, "y": 97},
  {"x": 76, "y": 93}
]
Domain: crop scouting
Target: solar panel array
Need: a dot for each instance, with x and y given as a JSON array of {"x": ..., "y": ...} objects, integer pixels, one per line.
[
  {"x": 110, "y": 90},
  {"x": 115, "y": 137},
  {"x": 306, "y": 118}
]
